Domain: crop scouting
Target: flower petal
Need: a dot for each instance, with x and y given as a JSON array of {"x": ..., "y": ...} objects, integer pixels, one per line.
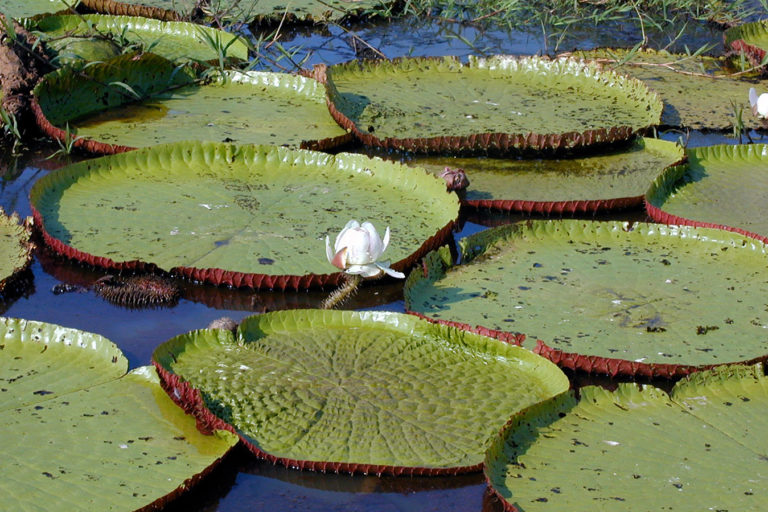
[
  {"x": 339, "y": 259},
  {"x": 375, "y": 246},
  {"x": 352, "y": 224},
  {"x": 752, "y": 97},
  {"x": 358, "y": 242},
  {"x": 385, "y": 244},
  {"x": 364, "y": 270},
  {"x": 328, "y": 251},
  {"x": 384, "y": 266}
]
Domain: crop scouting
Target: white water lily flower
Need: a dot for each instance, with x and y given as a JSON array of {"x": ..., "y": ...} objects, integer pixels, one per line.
[
  {"x": 357, "y": 250},
  {"x": 759, "y": 104}
]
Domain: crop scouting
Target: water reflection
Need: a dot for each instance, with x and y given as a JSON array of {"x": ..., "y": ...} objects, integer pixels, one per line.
[{"x": 249, "y": 484}]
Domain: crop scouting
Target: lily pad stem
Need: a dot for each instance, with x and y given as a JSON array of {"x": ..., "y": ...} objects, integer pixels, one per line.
[{"x": 343, "y": 292}]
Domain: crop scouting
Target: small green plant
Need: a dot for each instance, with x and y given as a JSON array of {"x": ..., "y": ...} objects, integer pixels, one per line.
[
  {"x": 11, "y": 130},
  {"x": 738, "y": 123},
  {"x": 216, "y": 43},
  {"x": 67, "y": 145}
]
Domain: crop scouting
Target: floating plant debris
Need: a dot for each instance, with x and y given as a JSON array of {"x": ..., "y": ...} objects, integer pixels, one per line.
[{"x": 137, "y": 291}]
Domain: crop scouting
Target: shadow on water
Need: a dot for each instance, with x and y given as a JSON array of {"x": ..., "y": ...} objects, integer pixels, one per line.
[{"x": 244, "y": 483}]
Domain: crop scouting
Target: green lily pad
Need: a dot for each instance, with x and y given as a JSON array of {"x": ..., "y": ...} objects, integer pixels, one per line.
[
  {"x": 356, "y": 391},
  {"x": 638, "y": 448},
  {"x": 616, "y": 178},
  {"x": 252, "y": 216},
  {"x": 15, "y": 251},
  {"x": 750, "y": 38},
  {"x": 497, "y": 104},
  {"x": 607, "y": 297},
  {"x": 77, "y": 428},
  {"x": 77, "y": 37},
  {"x": 18, "y": 9},
  {"x": 252, "y": 107},
  {"x": 266, "y": 11},
  {"x": 697, "y": 91},
  {"x": 722, "y": 186}
]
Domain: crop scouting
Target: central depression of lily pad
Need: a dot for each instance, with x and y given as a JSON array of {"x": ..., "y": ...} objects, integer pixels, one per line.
[
  {"x": 356, "y": 391},
  {"x": 175, "y": 105},
  {"x": 497, "y": 104},
  {"x": 607, "y": 297},
  {"x": 253, "y": 216}
]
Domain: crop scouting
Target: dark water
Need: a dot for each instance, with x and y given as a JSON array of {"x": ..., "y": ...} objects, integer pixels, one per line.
[{"x": 243, "y": 483}]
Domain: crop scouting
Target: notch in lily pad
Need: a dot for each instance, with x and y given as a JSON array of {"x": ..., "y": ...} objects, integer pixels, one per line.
[{"x": 78, "y": 427}]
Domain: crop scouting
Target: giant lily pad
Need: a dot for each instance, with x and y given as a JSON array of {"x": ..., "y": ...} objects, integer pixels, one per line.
[
  {"x": 356, "y": 391},
  {"x": 15, "y": 251},
  {"x": 252, "y": 216},
  {"x": 616, "y": 178},
  {"x": 750, "y": 38},
  {"x": 722, "y": 186},
  {"x": 77, "y": 428},
  {"x": 497, "y": 104},
  {"x": 253, "y": 107},
  {"x": 638, "y": 448},
  {"x": 607, "y": 297},
  {"x": 265, "y": 11},
  {"x": 698, "y": 92},
  {"x": 76, "y": 37}
]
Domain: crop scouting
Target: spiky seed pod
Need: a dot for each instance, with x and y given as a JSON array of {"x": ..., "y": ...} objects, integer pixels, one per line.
[{"x": 137, "y": 291}]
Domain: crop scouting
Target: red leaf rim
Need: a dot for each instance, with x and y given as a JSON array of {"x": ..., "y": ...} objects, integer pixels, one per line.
[
  {"x": 221, "y": 277},
  {"x": 557, "y": 207},
  {"x": 103, "y": 148},
  {"x": 90, "y": 145},
  {"x": 565, "y": 207},
  {"x": 123, "y": 9},
  {"x": 499, "y": 437},
  {"x": 594, "y": 365},
  {"x": 662, "y": 217},
  {"x": 481, "y": 142},
  {"x": 754, "y": 54},
  {"x": 190, "y": 399},
  {"x": 505, "y": 336}
]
